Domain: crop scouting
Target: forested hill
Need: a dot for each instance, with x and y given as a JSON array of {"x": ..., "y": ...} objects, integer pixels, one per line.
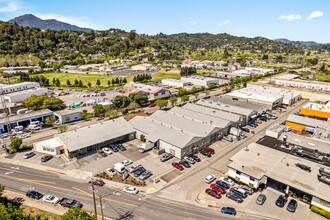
[{"x": 17, "y": 40}]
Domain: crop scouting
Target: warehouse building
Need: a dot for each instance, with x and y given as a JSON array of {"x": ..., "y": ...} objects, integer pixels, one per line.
[
  {"x": 247, "y": 114},
  {"x": 24, "y": 119},
  {"x": 17, "y": 97},
  {"x": 68, "y": 115},
  {"x": 83, "y": 140},
  {"x": 316, "y": 110},
  {"x": 17, "y": 87},
  {"x": 257, "y": 108},
  {"x": 49, "y": 146},
  {"x": 175, "y": 83},
  {"x": 303, "y": 84},
  {"x": 200, "y": 80},
  {"x": 234, "y": 74},
  {"x": 153, "y": 92},
  {"x": 261, "y": 166},
  {"x": 306, "y": 124}
]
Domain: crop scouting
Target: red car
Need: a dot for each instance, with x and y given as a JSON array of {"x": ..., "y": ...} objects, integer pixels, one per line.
[
  {"x": 97, "y": 182},
  {"x": 177, "y": 165},
  {"x": 152, "y": 105},
  {"x": 213, "y": 193},
  {"x": 208, "y": 149},
  {"x": 218, "y": 188}
]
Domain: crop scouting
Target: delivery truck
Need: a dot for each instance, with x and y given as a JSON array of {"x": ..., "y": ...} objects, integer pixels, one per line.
[{"x": 146, "y": 146}]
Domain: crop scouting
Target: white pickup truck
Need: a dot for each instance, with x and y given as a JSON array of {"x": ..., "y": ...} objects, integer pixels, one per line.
[{"x": 35, "y": 125}]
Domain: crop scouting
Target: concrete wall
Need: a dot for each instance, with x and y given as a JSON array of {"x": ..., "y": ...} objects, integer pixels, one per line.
[
  {"x": 74, "y": 116},
  {"x": 243, "y": 178},
  {"x": 46, "y": 149}
]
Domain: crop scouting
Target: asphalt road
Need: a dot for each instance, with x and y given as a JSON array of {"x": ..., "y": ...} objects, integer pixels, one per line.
[{"x": 116, "y": 204}]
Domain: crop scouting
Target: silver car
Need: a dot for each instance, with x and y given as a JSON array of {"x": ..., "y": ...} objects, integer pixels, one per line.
[
  {"x": 247, "y": 189},
  {"x": 261, "y": 199}
]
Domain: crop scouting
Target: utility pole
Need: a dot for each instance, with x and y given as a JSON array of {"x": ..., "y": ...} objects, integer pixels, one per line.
[
  {"x": 101, "y": 208},
  {"x": 94, "y": 200}
]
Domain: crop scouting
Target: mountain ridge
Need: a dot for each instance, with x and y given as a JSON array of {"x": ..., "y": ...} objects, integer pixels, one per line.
[{"x": 307, "y": 43}]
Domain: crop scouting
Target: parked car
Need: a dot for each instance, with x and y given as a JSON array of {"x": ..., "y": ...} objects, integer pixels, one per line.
[
  {"x": 139, "y": 171},
  {"x": 197, "y": 159},
  {"x": 227, "y": 180},
  {"x": 152, "y": 105},
  {"x": 252, "y": 125},
  {"x": 34, "y": 195},
  {"x": 261, "y": 199},
  {"x": 234, "y": 197},
  {"x": 280, "y": 202},
  {"x": 115, "y": 148},
  {"x": 218, "y": 188},
  {"x": 101, "y": 152},
  {"x": 127, "y": 162},
  {"x": 205, "y": 153},
  {"x": 97, "y": 182},
  {"x": 245, "y": 130},
  {"x": 23, "y": 136},
  {"x": 263, "y": 118},
  {"x": 178, "y": 166},
  {"x": 228, "y": 210},
  {"x": 51, "y": 199},
  {"x": 247, "y": 189},
  {"x": 238, "y": 192},
  {"x": 213, "y": 193},
  {"x": 69, "y": 203},
  {"x": 166, "y": 157},
  {"x": 223, "y": 184},
  {"x": 292, "y": 206},
  {"x": 227, "y": 138},
  {"x": 284, "y": 106},
  {"x": 111, "y": 172},
  {"x": 121, "y": 147},
  {"x": 189, "y": 160},
  {"x": 29, "y": 155},
  {"x": 46, "y": 158},
  {"x": 107, "y": 150},
  {"x": 185, "y": 164},
  {"x": 209, "y": 179},
  {"x": 131, "y": 190},
  {"x": 208, "y": 149},
  {"x": 134, "y": 168},
  {"x": 145, "y": 175}
]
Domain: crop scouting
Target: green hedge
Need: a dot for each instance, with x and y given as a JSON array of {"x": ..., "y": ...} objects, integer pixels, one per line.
[{"x": 321, "y": 211}]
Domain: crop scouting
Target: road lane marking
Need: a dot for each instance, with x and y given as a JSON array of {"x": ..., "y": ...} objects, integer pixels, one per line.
[
  {"x": 42, "y": 181},
  {"x": 192, "y": 218},
  {"x": 82, "y": 191},
  {"x": 55, "y": 187},
  {"x": 8, "y": 173}
]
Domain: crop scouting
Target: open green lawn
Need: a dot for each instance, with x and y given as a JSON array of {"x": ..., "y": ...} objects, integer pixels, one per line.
[{"x": 158, "y": 76}]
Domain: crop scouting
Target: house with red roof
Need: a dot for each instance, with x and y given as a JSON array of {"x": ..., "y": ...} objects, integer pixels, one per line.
[{"x": 153, "y": 92}]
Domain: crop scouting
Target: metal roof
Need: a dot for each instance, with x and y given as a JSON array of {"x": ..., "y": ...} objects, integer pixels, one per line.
[
  {"x": 27, "y": 116},
  {"x": 226, "y": 107},
  {"x": 94, "y": 134},
  {"x": 311, "y": 122},
  {"x": 261, "y": 161},
  {"x": 247, "y": 105}
]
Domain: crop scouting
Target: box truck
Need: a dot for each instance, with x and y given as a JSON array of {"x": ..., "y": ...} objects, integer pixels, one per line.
[{"x": 146, "y": 146}]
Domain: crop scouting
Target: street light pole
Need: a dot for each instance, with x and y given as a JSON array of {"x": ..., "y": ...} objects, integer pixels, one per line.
[
  {"x": 94, "y": 200},
  {"x": 101, "y": 207}
]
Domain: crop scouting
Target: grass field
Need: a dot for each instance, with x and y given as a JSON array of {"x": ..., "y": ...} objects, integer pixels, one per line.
[{"x": 92, "y": 78}]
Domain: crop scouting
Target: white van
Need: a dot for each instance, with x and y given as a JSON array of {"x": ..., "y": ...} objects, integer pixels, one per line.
[{"x": 119, "y": 167}]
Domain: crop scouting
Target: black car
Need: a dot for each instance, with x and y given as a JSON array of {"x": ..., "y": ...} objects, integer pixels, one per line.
[
  {"x": 246, "y": 130},
  {"x": 139, "y": 171},
  {"x": 234, "y": 197},
  {"x": 34, "y": 195},
  {"x": 114, "y": 148},
  {"x": 196, "y": 158},
  {"x": 185, "y": 164},
  {"x": 292, "y": 206},
  {"x": 223, "y": 184},
  {"x": 69, "y": 203},
  {"x": 205, "y": 153},
  {"x": 46, "y": 158},
  {"x": 262, "y": 118},
  {"x": 280, "y": 202},
  {"x": 166, "y": 157},
  {"x": 103, "y": 154},
  {"x": 238, "y": 192}
]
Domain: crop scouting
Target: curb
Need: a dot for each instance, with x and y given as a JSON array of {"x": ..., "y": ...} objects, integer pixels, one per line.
[
  {"x": 53, "y": 171},
  {"x": 214, "y": 206}
]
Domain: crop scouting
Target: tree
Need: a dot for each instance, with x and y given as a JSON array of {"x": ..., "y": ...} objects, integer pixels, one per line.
[
  {"x": 77, "y": 214},
  {"x": 54, "y": 104},
  {"x": 98, "y": 82},
  {"x": 133, "y": 106},
  {"x": 89, "y": 84},
  {"x": 16, "y": 143},
  {"x": 196, "y": 95},
  {"x": 184, "y": 98},
  {"x": 244, "y": 84},
  {"x": 211, "y": 86},
  {"x": 50, "y": 120},
  {"x": 109, "y": 83},
  {"x": 62, "y": 128},
  {"x": 117, "y": 80},
  {"x": 139, "y": 98},
  {"x": 161, "y": 103},
  {"x": 124, "y": 80},
  {"x": 112, "y": 114},
  {"x": 113, "y": 82},
  {"x": 68, "y": 83},
  {"x": 57, "y": 83},
  {"x": 142, "y": 138},
  {"x": 173, "y": 100},
  {"x": 98, "y": 109},
  {"x": 193, "y": 90},
  {"x": 183, "y": 92},
  {"x": 265, "y": 57},
  {"x": 35, "y": 102},
  {"x": 207, "y": 92}
]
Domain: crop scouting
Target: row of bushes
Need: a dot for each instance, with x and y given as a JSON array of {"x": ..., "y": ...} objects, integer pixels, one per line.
[{"x": 321, "y": 211}]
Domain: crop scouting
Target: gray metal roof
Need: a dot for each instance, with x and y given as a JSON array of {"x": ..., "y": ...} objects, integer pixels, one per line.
[
  {"x": 212, "y": 112},
  {"x": 155, "y": 130},
  {"x": 247, "y": 105},
  {"x": 207, "y": 119},
  {"x": 311, "y": 122},
  {"x": 94, "y": 134},
  {"x": 226, "y": 107},
  {"x": 190, "y": 125},
  {"x": 27, "y": 116}
]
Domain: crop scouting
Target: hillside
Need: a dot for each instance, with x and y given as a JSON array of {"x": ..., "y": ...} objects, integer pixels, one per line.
[
  {"x": 307, "y": 43},
  {"x": 29, "y": 20}
]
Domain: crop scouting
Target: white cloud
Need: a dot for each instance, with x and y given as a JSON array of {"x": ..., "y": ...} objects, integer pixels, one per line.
[
  {"x": 225, "y": 22},
  {"x": 80, "y": 21},
  {"x": 190, "y": 18},
  {"x": 182, "y": 25},
  {"x": 314, "y": 14},
  {"x": 194, "y": 23},
  {"x": 8, "y": 6},
  {"x": 290, "y": 17}
]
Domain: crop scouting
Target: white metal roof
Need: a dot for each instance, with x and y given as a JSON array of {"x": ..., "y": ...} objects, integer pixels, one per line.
[
  {"x": 317, "y": 107},
  {"x": 311, "y": 122},
  {"x": 226, "y": 107}
]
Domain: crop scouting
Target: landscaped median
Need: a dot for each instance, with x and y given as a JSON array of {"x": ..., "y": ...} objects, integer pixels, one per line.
[
  {"x": 119, "y": 178},
  {"x": 321, "y": 211}
]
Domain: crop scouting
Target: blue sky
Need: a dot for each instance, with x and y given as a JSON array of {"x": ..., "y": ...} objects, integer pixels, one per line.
[{"x": 291, "y": 19}]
